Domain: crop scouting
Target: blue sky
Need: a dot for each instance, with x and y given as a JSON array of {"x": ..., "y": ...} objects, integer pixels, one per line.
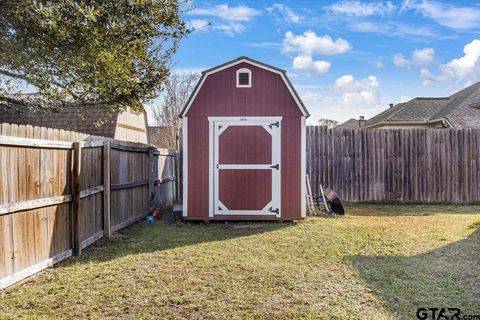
[{"x": 345, "y": 58}]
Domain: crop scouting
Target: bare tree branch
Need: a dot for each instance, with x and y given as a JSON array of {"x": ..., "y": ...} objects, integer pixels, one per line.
[{"x": 177, "y": 89}]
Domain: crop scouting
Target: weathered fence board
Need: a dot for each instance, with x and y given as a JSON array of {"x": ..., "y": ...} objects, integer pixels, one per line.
[
  {"x": 412, "y": 165},
  {"x": 53, "y": 203}
]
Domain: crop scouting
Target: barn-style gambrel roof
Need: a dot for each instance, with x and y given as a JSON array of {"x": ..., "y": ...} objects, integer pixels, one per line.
[{"x": 281, "y": 72}]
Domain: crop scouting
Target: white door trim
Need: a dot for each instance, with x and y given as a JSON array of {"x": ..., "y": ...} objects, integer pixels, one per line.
[{"x": 214, "y": 134}]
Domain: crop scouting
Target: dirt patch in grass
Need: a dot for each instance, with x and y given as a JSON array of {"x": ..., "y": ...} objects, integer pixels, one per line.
[{"x": 371, "y": 264}]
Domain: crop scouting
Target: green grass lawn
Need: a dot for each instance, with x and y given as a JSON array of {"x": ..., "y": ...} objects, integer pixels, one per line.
[{"x": 378, "y": 262}]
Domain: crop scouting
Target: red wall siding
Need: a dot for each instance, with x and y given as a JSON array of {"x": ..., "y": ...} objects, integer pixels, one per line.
[
  {"x": 268, "y": 96},
  {"x": 245, "y": 145},
  {"x": 219, "y": 96},
  {"x": 237, "y": 192}
]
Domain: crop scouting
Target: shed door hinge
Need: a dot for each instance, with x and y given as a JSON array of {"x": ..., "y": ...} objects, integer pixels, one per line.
[
  {"x": 277, "y": 166},
  {"x": 275, "y": 124},
  {"x": 276, "y": 211}
]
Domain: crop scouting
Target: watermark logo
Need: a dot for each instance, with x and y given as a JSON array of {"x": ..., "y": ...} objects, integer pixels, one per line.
[{"x": 444, "y": 314}]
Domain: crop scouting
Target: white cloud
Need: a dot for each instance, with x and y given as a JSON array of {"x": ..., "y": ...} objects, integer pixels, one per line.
[
  {"x": 427, "y": 76},
  {"x": 361, "y": 9},
  {"x": 230, "y": 20},
  {"x": 404, "y": 99},
  {"x": 225, "y": 12},
  {"x": 377, "y": 64},
  {"x": 283, "y": 13},
  {"x": 400, "y": 61},
  {"x": 311, "y": 44},
  {"x": 198, "y": 24},
  {"x": 390, "y": 28},
  {"x": 230, "y": 29},
  {"x": 423, "y": 57},
  {"x": 419, "y": 57},
  {"x": 308, "y": 45},
  {"x": 350, "y": 98},
  {"x": 360, "y": 93},
  {"x": 465, "y": 68},
  {"x": 310, "y": 96},
  {"x": 264, "y": 45},
  {"x": 348, "y": 83},
  {"x": 406, "y": 5},
  {"x": 447, "y": 15},
  {"x": 306, "y": 63},
  {"x": 467, "y": 64}
]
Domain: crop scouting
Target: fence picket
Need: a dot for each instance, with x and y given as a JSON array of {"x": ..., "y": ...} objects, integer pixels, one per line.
[
  {"x": 37, "y": 170},
  {"x": 416, "y": 165}
]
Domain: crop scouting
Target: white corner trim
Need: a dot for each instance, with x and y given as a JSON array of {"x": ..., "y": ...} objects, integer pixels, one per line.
[
  {"x": 211, "y": 161},
  {"x": 282, "y": 75},
  {"x": 244, "y": 70},
  {"x": 185, "y": 165},
  {"x": 303, "y": 164}
]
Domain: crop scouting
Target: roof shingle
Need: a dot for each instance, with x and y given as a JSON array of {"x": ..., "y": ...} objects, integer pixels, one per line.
[
  {"x": 456, "y": 109},
  {"x": 67, "y": 119}
]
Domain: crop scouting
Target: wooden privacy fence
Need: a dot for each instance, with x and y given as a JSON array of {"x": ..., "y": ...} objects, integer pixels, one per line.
[
  {"x": 58, "y": 197},
  {"x": 415, "y": 165}
]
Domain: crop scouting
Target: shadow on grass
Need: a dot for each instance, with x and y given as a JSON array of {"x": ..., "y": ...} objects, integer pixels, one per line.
[
  {"x": 384, "y": 210},
  {"x": 445, "y": 277},
  {"x": 143, "y": 237}
]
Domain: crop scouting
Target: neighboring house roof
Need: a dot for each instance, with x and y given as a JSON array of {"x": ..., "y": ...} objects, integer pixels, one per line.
[
  {"x": 251, "y": 61},
  {"x": 461, "y": 111},
  {"x": 349, "y": 124},
  {"x": 163, "y": 137},
  {"x": 456, "y": 111},
  {"x": 67, "y": 119}
]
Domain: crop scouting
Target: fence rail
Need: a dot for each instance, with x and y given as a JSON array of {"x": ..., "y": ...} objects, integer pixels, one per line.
[
  {"x": 58, "y": 197},
  {"x": 412, "y": 165}
]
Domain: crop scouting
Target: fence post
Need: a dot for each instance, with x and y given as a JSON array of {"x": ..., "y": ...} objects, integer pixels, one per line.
[
  {"x": 107, "y": 226},
  {"x": 76, "y": 171},
  {"x": 151, "y": 179}
]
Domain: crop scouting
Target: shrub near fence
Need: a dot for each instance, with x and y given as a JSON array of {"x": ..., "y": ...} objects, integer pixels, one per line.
[
  {"x": 57, "y": 197},
  {"x": 416, "y": 165}
]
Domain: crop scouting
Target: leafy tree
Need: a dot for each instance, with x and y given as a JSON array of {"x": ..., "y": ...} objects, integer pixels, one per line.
[
  {"x": 105, "y": 54},
  {"x": 329, "y": 123},
  {"x": 177, "y": 91}
]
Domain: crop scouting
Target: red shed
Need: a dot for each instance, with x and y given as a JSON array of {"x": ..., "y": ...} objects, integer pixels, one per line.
[{"x": 244, "y": 145}]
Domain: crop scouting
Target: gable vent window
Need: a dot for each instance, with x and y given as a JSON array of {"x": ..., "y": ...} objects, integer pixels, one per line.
[{"x": 244, "y": 78}]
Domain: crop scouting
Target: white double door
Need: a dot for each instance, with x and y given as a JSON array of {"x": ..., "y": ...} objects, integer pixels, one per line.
[{"x": 245, "y": 168}]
